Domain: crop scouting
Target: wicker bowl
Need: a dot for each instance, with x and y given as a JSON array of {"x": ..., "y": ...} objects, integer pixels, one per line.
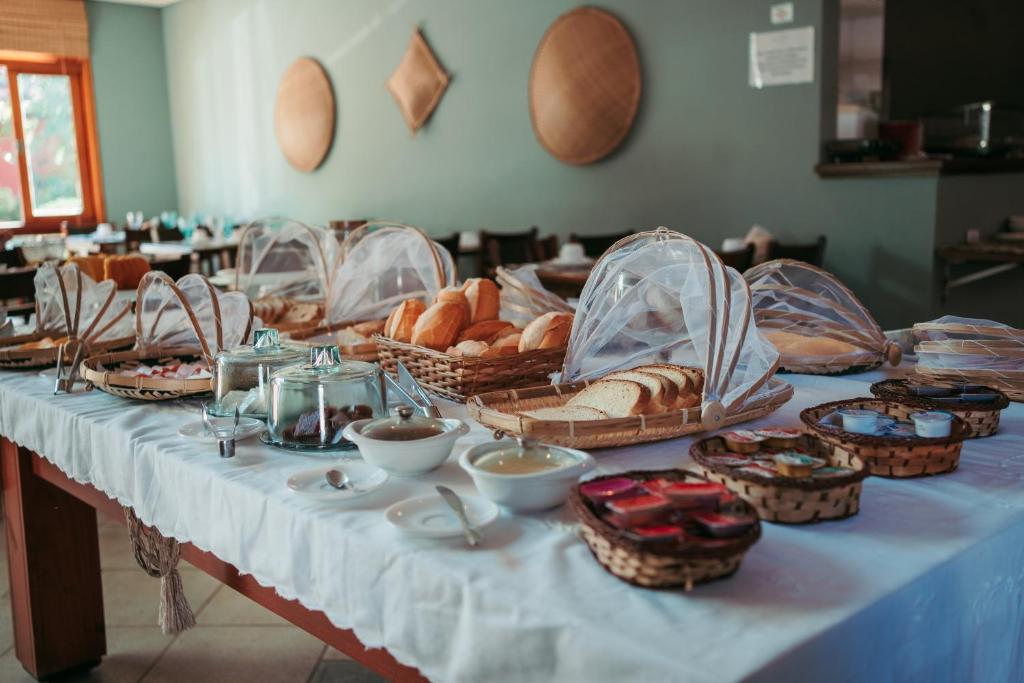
[
  {"x": 500, "y": 412},
  {"x": 783, "y": 499},
  {"x": 1009, "y": 382},
  {"x": 459, "y": 377},
  {"x": 13, "y": 358},
  {"x": 659, "y": 567},
  {"x": 886, "y": 456},
  {"x": 144, "y": 388},
  {"x": 981, "y": 419}
]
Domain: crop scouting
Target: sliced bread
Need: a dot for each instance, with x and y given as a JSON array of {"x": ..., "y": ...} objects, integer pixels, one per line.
[
  {"x": 566, "y": 413},
  {"x": 688, "y": 381},
  {"x": 664, "y": 391},
  {"x": 616, "y": 397}
]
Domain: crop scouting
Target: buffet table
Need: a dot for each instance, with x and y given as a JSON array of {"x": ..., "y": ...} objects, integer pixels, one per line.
[{"x": 924, "y": 584}]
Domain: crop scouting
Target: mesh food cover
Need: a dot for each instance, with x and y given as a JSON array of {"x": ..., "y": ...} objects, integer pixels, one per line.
[
  {"x": 190, "y": 314},
  {"x": 954, "y": 343},
  {"x": 70, "y": 303},
  {"x": 816, "y": 323},
  {"x": 663, "y": 297},
  {"x": 382, "y": 264},
  {"x": 286, "y": 258},
  {"x": 524, "y": 298}
]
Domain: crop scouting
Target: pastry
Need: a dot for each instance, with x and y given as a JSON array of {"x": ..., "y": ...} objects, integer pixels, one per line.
[
  {"x": 549, "y": 331},
  {"x": 439, "y": 326},
  {"x": 400, "y": 323},
  {"x": 484, "y": 299}
]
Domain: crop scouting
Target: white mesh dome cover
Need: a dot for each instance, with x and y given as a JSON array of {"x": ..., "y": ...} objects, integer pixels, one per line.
[
  {"x": 663, "y": 297},
  {"x": 222, "y": 320},
  {"x": 92, "y": 312},
  {"x": 286, "y": 258},
  {"x": 804, "y": 301},
  {"x": 382, "y": 264},
  {"x": 524, "y": 297},
  {"x": 956, "y": 343}
]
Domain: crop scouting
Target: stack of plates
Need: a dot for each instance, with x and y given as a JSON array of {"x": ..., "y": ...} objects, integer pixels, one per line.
[{"x": 956, "y": 350}]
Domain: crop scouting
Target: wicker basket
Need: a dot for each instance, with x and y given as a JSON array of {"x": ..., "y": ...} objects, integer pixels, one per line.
[
  {"x": 653, "y": 567},
  {"x": 981, "y": 419},
  {"x": 500, "y": 410},
  {"x": 459, "y": 377},
  {"x": 14, "y": 358},
  {"x": 886, "y": 456},
  {"x": 783, "y": 499},
  {"x": 364, "y": 352},
  {"x": 143, "y": 388},
  {"x": 1010, "y": 383}
]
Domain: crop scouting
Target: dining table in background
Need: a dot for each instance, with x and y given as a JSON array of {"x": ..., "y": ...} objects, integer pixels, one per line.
[{"x": 565, "y": 281}]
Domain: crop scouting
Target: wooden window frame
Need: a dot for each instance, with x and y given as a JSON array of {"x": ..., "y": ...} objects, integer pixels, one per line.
[{"x": 83, "y": 103}]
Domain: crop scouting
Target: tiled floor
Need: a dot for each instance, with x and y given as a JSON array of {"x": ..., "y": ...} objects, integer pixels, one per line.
[{"x": 234, "y": 639}]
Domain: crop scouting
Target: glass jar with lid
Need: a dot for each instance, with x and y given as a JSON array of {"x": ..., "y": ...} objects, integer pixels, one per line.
[
  {"x": 242, "y": 376},
  {"x": 311, "y": 404}
]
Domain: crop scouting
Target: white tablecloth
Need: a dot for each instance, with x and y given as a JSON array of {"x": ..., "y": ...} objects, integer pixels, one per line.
[{"x": 924, "y": 584}]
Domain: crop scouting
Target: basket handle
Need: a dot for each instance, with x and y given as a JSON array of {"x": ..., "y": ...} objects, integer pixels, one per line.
[{"x": 186, "y": 306}]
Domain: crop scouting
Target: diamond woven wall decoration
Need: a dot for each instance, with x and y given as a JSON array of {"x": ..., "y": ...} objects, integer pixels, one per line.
[{"x": 418, "y": 83}]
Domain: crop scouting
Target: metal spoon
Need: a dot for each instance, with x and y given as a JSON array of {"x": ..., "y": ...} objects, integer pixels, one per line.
[
  {"x": 340, "y": 480},
  {"x": 473, "y": 537}
]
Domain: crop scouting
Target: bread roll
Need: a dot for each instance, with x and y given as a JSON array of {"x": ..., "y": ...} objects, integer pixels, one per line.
[
  {"x": 454, "y": 295},
  {"x": 486, "y": 330},
  {"x": 510, "y": 341},
  {"x": 484, "y": 299},
  {"x": 439, "y": 326},
  {"x": 792, "y": 344},
  {"x": 400, "y": 323},
  {"x": 549, "y": 331},
  {"x": 369, "y": 328},
  {"x": 89, "y": 265},
  {"x": 125, "y": 271},
  {"x": 617, "y": 397},
  {"x": 469, "y": 348}
]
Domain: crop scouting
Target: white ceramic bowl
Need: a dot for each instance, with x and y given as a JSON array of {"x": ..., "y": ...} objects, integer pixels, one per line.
[
  {"x": 406, "y": 458},
  {"x": 531, "y": 492}
]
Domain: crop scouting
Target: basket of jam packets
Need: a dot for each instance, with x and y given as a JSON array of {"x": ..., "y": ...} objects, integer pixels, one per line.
[
  {"x": 978, "y": 406},
  {"x": 788, "y": 476},
  {"x": 664, "y": 528},
  {"x": 876, "y": 432}
]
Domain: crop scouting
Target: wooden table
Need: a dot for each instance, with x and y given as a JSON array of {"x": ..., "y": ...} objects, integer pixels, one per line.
[
  {"x": 54, "y": 564},
  {"x": 997, "y": 257},
  {"x": 566, "y": 283}
]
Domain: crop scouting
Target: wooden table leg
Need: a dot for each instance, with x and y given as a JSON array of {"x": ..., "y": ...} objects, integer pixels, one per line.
[{"x": 54, "y": 560}]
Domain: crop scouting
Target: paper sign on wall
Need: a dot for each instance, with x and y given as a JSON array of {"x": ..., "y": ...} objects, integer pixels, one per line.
[{"x": 782, "y": 57}]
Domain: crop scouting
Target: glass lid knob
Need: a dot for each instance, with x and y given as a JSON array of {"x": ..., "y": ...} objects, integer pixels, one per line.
[
  {"x": 324, "y": 356},
  {"x": 267, "y": 338}
]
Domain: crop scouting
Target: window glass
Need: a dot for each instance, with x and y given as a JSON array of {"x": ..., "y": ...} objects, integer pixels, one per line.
[
  {"x": 10, "y": 174},
  {"x": 48, "y": 123}
]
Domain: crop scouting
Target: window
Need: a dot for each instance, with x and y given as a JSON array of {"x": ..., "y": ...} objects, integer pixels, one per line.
[{"x": 48, "y": 154}]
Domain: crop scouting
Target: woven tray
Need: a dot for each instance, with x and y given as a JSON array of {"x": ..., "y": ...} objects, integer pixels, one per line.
[
  {"x": 499, "y": 411},
  {"x": 12, "y": 358},
  {"x": 886, "y": 456},
  {"x": 1010, "y": 383},
  {"x": 653, "y": 567},
  {"x": 783, "y": 499},
  {"x": 143, "y": 388},
  {"x": 458, "y": 378},
  {"x": 364, "y": 352},
  {"x": 981, "y": 419}
]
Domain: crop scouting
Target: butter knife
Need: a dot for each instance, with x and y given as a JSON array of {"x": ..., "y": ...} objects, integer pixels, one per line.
[
  {"x": 473, "y": 537},
  {"x": 413, "y": 387}
]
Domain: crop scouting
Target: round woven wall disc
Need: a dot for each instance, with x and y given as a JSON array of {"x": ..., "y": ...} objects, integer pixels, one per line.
[
  {"x": 304, "y": 114},
  {"x": 584, "y": 86}
]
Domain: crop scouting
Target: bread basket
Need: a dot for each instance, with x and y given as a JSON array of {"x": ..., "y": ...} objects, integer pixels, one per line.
[
  {"x": 653, "y": 567},
  {"x": 783, "y": 499},
  {"x": 886, "y": 456},
  {"x": 981, "y": 419}
]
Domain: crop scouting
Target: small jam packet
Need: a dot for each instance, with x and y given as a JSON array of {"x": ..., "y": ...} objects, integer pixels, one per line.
[
  {"x": 728, "y": 460},
  {"x": 640, "y": 510},
  {"x": 743, "y": 436},
  {"x": 723, "y": 525},
  {"x": 603, "y": 490},
  {"x": 657, "y": 533},
  {"x": 693, "y": 495}
]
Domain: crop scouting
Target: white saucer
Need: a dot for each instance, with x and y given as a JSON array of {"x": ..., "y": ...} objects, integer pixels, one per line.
[
  {"x": 430, "y": 516},
  {"x": 247, "y": 426},
  {"x": 363, "y": 477}
]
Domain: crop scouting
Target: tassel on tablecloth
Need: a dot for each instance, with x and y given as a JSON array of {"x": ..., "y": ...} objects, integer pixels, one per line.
[{"x": 158, "y": 556}]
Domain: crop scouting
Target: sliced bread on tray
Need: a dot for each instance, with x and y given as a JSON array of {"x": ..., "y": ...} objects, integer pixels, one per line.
[
  {"x": 565, "y": 413},
  {"x": 616, "y": 397}
]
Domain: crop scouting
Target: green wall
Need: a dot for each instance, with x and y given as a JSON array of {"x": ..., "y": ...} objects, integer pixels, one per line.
[
  {"x": 708, "y": 154},
  {"x": 133, "y": 114}
]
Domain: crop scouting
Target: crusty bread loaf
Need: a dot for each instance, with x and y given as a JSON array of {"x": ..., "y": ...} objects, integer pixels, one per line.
[
  {"x": 549, "y": 331},
  {"x": 469, "y": 348},
  {"x": 566, "y": 413},
  {"x": 453, "y": 295},
  {"x": 400, "y": 323},
  {"x": 89, "y": 265},
  {"x": 125, "y": 271},
  {"x": 509, "y": 341},
  {"x": 439, "y": 326},
  {"x": 792, "y": 344},
  {"x": 369, "y": 328},
  {"x": 269, "y": 309},
  {"x": 484, "y": 299},
  {"x": 664, "y": 391},
  {"x": 486, "y": 330},
  {"x": 616, "y": 397}
]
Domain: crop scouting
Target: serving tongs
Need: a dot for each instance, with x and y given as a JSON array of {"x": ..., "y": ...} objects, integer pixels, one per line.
[
  {"x": 417, "y": 395},
  {"x": 62, "y": 383},
  {"x": 225, "y": 442}
]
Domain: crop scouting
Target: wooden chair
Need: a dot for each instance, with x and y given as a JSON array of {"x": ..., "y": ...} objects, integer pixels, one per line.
[
  {"x": 174, "y": 267},
  {"x": 12, "y": 258},
  {"x": 169, "y": 235},
  {"x": 503, "y": 248},
  {"x": 808, "y": 253},
  {"x": 548, "y": 247},
  {"x": 18, "y": 291},
  {"x": 594, "y": 246},
  {"x": 451, "y": 243},
  {"x": 133, "y": 239},
  {"x": 740, "y": 259}
]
